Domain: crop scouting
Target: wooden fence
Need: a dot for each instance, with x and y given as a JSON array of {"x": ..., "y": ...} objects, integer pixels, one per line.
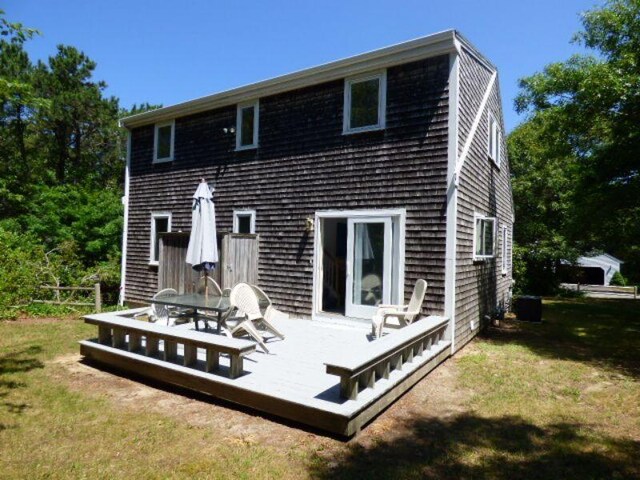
[
  {"x": 97, "y": 303},
  {"x": 238, "y": 261},
  {"x": 614, "y": 289}
]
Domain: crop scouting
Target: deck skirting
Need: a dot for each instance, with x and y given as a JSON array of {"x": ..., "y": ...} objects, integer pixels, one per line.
[{"x": 338, "y": 423}]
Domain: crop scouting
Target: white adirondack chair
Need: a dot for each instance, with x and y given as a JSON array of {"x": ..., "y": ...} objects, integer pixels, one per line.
[
  {"x": 244, "y": 299},
  {"x": 157, "y": 312},
  {"x": 403, "y": 314}
]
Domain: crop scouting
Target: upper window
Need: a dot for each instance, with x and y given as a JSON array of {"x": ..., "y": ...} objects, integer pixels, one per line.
[
  {"x": 247, "y": 125},
  {"x": 505, "y": 247},
  {"x": 483, "y": 239},
  {"x": 244, "y": 221},
  {"x": 160, "y": 223},
  {"x": 495, "y": 139},
  {"x": 365, "y": 103},
  {"x": 163, "y": 142}
]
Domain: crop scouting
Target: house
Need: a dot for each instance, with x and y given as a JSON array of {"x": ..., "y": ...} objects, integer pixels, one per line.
[{"x": 360, "y": 176}]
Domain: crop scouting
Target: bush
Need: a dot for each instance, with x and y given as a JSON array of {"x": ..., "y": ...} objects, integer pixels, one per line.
[
  {"x": 618, "y": 280},
  {"x": 20, "y": 270}
]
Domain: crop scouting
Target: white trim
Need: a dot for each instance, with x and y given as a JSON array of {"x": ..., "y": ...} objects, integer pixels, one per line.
[
  {"x": 503, "y": 252},
  {"x": 399, "y": 213},
  {"x": 158, "y": 126},
  {"x": 424, "y": 47},
  {"x": 474, "y": 125},
  {"x": 256, "y": 124},
  {"x": 152, "y": 238},
  {"x": 452, "y": 198},
  {"x": 382, "y": 102},
  {"x": 125, "y": 229},
  {"x": 476, "y": 217},
  {"x": 493, "y": 128},
  {"x": 244, "y": 213}
]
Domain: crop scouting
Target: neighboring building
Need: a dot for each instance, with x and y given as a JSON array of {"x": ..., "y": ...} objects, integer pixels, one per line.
[
  {"x": 598, "y": 269},
  {"x": 396, "y": 158}
]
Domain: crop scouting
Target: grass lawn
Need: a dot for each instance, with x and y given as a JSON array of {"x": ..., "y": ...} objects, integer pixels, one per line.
[{"x": 556, "y": 400}]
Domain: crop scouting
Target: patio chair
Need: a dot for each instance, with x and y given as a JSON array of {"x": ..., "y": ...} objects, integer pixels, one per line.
[
  {"x": 213, "y": 287},
  {"x": 157, "y": 312},
  {"x": 269, "y": 312},
  {"x": 404, "y": 314},
  {"x": 243, "y": 298}
]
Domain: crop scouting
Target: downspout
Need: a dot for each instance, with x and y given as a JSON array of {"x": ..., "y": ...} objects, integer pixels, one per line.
[
  {"x": 125, "y": 229},
  {"x": 452, "y": 195}
]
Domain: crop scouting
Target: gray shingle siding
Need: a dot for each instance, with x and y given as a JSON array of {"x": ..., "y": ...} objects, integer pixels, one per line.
[
  {"x": 485, "y": 189},
  {"x": 303, "y": 164}
]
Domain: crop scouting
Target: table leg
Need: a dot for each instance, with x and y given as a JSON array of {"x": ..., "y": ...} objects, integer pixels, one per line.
[
  {"x": 219, "y": 322},
  {"x": 195, "y": 319}
]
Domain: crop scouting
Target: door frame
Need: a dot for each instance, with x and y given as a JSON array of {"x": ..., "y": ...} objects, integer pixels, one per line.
[{"x": 399, "y": 217}]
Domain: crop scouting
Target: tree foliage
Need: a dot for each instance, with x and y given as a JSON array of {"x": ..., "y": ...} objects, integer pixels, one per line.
[
  {"x": 62, "y": 167},
  {"x": 576, "y": 160}
]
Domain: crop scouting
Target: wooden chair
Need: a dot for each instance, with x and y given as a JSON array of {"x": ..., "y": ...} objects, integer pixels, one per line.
[
  {"x": 243, "y": 298},
  {"x": 405, "y": 314}
]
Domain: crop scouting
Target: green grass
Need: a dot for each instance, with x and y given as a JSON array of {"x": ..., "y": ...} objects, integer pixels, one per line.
[{"x": 556, "y": 400}]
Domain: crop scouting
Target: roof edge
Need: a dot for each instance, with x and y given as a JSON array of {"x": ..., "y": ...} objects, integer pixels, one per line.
[{"x": 423, "y": 47}]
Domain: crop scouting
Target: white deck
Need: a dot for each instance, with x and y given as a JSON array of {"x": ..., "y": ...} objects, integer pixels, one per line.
[{"x": 294, "y": 370}]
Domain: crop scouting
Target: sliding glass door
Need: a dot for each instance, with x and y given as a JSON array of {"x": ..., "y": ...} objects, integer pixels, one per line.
[{"x": 369, "y": 253}]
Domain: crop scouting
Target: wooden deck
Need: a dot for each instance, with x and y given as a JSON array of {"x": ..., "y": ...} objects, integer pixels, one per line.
[{"x": 292, "y": 381}]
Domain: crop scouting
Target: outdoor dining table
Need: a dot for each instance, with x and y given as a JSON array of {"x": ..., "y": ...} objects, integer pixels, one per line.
[{"x": 198, "y": 302}]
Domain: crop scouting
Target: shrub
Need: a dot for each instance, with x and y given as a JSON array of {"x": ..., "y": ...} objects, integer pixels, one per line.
[
  {"x": 20, "y": 270},
  {"x": 618, "y": 280}
]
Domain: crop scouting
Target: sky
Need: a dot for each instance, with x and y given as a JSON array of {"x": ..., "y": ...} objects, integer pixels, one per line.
[{"x": 166, "y": 52}]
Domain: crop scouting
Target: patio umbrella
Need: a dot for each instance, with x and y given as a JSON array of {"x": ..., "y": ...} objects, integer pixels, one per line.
[{"x": 202, "y": 253}]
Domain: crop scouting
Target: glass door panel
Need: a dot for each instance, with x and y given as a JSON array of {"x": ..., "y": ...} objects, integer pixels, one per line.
[{"x": 369, "y": 242}]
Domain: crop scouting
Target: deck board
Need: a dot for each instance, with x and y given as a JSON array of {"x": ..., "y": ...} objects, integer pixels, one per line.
[{"x": 293, "y": 373}]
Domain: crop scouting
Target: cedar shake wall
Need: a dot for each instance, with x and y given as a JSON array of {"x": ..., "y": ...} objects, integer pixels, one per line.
[
  {"x": 303, "y": 164},
  {"x": 485, "y": 189}
]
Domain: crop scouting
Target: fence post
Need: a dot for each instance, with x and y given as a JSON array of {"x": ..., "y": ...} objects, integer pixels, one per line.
[
  {"x": 96, "y": 288},
  {"x": 635, "y": 292}
]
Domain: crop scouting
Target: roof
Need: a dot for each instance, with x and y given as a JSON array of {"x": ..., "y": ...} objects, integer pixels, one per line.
[{"x": 432, "y": 45}]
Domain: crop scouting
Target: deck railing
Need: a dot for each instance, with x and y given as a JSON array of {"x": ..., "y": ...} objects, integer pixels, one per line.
[
  {"x": 363, "y": 368},
  {"x": 115, "y": 331}
]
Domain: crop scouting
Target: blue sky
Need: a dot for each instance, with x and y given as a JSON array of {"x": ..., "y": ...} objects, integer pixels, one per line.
[{"x": 171, "y": 51}]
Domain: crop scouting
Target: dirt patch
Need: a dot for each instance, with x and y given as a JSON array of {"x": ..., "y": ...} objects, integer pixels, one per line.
[{"x": 437, "y": 395}]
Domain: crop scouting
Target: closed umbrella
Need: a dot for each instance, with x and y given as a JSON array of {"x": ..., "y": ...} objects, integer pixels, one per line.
[{"x": 202, "y": 253}]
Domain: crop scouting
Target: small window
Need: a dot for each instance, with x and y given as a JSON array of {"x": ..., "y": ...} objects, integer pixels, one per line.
[
  {"x": 244, "y": 221},
  {"x": 163, "y": 142},
  {"x": 483, "y": 238},
  {"x": 247, "y": 125},
  {"x": 160, "y": 223},
  {"x": 365, "y": 103},
  {"x": 505, "y": 247},
  {"x": 495, "y": 139}
]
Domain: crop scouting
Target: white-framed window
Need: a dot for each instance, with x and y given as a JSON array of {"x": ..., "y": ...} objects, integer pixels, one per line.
[
  {"x": 365, "y": 102},
  {"x": 495, "y": 139},
  {"x": 483, "y": 237},
  {"x": 247, "y": 125},
  {"x": 505, "y": 248},
  {"x": 163, "y": 142},
  {"x": 160, "y": 223},
  {"x": 244, "y": 221}
]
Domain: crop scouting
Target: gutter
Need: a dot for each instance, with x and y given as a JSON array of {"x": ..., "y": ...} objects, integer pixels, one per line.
[{"x": 125, "y": 229}]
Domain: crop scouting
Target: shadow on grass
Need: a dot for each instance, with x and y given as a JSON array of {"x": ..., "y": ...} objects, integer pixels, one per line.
[
  {"x": 600, "y": 331},
  {"x": 468, "y": 446},
  {"x": 15, "y": 362}
]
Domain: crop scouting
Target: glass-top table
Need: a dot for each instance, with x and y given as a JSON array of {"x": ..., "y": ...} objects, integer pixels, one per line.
[{"x": 198, "y": 301}]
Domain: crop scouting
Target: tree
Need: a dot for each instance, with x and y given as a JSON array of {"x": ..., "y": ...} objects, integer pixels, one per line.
[{"x": 582, "y": 127}]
